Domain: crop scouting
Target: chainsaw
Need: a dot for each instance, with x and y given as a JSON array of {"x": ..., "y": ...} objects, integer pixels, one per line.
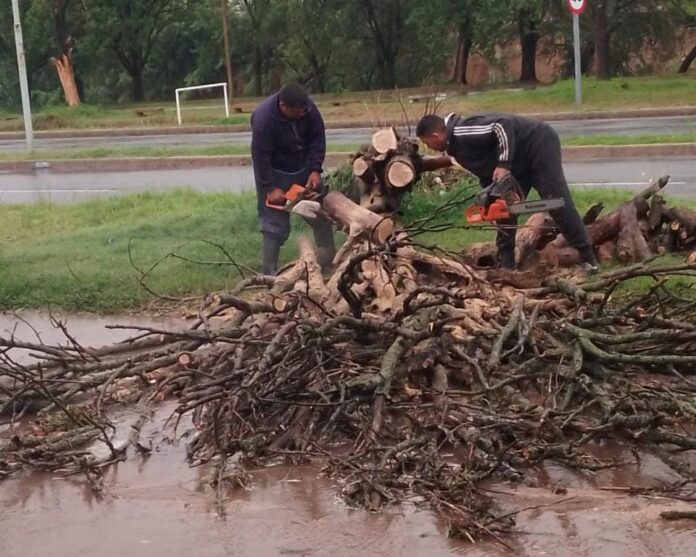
[
  {"x": 296, "y": 201},
  {"x": 503, "y": 199}
]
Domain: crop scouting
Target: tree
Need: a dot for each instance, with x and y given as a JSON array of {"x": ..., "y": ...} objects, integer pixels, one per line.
[
  {"x": 61, "y": 12},
  {"x": 132, "y": 28},
  {"x": 385, "y": 21},
  {"x": 688, "y": 7}
]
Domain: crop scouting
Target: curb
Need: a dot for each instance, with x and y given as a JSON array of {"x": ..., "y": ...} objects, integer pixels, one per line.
[{"x": 238, "y": 128}]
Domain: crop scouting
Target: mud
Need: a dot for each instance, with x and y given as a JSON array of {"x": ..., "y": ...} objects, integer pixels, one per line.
[{"x": 154, "y": 506}]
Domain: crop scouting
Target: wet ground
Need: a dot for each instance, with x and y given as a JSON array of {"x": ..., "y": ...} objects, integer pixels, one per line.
[
  {"x": 47, "y": 186},
  {"x": 154, "y": 507}
]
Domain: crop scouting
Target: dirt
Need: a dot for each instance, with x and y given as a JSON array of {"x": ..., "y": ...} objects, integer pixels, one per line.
[{"x": 154, "y": 506}]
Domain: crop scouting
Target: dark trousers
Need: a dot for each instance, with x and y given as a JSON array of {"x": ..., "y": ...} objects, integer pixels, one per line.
[
  {"x": 546, "y": 176},
  {"x": 275, "y": 225}
]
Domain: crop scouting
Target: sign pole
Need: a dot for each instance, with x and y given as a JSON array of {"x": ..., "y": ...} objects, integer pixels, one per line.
[
  {"x": 578, "y": 60},
  {"x": 23, "y": 81}
]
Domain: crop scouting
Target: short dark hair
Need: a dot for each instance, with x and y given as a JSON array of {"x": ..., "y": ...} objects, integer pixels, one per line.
[
  {"x": 293, "y": 95},
  {"x": 430, "y": 123}
]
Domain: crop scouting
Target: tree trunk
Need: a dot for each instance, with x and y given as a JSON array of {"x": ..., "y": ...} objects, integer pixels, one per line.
[
  {"x": 684, "y": 67},
  {"x": 258, "y": 90},
  {"x": 461, "y": 64},
  {"x": 601, "y": 36},
  {"x": 529, "y": 38},
  {"x": 66, "y": 74},
  {"x": 137, "y": 84},
  {"x": 356, "y": 219}
]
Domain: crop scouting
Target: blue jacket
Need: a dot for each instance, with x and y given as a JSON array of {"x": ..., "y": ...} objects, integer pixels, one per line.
[{"x": 286, "y": 145}]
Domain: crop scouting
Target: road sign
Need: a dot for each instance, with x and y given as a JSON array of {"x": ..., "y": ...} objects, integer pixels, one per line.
[{"x": 577, "y": 6}]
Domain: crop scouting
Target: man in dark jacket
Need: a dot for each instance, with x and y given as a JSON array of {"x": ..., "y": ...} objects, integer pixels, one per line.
[
  {"x": 288, "y": 146},
  {"x": 492, "y": 146}
]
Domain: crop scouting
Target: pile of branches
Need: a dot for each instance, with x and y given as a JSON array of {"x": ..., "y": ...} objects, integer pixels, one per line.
[
  {"x": 409, "y": 375},
  {"x": 636, "y": 231}
]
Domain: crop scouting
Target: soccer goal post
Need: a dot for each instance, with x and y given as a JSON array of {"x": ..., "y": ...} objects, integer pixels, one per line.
[{"x": 199, "y": 87}]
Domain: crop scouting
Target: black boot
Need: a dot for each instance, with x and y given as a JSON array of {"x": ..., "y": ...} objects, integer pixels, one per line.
[
  {"x": 506, "y": 259},
  {"x": 271, "y": 251}
]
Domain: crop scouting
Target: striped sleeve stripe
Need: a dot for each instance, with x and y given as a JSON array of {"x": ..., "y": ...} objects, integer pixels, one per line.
[{"x": 460, "y": 131}]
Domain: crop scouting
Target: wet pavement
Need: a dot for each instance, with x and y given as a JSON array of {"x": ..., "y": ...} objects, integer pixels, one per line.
[
  {"x": 605, "y": 126},
  {"x": 52, "y": 187},
  {"x": 154, "y": 506}
]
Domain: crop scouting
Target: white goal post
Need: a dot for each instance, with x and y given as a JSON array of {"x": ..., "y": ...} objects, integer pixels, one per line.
[{"x": 198, "y": 87}]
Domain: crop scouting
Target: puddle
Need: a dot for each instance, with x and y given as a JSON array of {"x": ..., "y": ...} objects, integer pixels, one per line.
[{"x": 154, "y": 506}]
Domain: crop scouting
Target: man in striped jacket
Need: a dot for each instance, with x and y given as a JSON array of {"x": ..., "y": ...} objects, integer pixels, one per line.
[{"x": 494, "y": 145}]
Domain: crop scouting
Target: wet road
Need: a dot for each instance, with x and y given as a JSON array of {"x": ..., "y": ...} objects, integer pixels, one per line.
[
  {"x": 617, "y": 126},
  {"x": 51, "y": 187},
  {"x": 154, "y": 506}
]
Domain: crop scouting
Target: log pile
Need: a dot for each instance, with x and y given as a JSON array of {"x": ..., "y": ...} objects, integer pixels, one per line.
[
  {"x": 408, "y": 374},
  {"x": 636, "y": 231},
  {"x": 385, "y": 170}
]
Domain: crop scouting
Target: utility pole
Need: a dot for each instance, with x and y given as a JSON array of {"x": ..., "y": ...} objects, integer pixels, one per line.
[
  {"x": 228, "y": 56},
  {"x": 23, "y": 81}
]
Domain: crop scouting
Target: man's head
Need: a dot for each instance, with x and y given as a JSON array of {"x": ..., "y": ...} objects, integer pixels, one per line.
[
  {"x": 432, "y": 131},
  {"x": 293, "y": 101}
]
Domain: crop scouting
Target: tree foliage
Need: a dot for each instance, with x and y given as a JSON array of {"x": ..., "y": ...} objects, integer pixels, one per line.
[{"x": 143, "y": 49}]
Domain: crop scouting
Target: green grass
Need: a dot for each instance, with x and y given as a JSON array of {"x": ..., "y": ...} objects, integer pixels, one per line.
[
  {"x": 145, "y": 151},
  {"x": 619, "y": 93},
  {"x": 76, "y": 257},
  {"x": 223, "y": 150},
  {"x": 629, "y": 139}
]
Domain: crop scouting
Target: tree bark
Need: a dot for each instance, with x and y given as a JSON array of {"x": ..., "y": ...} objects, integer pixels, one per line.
[
  {"x": 138, "y": 86},
  {"x": 529, "y": 38},
  {"x": 66, "y": 74},
  {"x": 358, "y": 220},
  {"x": 630, "y": 244},
  {"x": 602, "y": 42},
  {"x": 538, "y": 228},
  {"x": 686, "y": 63}
]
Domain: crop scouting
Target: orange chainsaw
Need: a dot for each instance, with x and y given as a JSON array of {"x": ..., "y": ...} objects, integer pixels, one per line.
[
  {"x": 296, "y": 201},
  {"x": 503, "y": 199}
]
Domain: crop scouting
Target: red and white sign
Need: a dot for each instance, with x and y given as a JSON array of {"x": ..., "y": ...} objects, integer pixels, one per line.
[{"x": 577, "y": 6}]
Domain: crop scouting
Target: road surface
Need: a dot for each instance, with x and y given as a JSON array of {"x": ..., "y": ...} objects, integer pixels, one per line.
[
  {"x": 632, "y": 174},
  {"x": 618, "y": 126}
]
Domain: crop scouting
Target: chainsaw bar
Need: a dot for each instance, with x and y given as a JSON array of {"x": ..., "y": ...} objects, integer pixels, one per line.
[{"x": 526, "y": 207}]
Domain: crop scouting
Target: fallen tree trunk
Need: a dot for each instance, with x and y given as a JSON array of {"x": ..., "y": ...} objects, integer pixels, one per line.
[
  {"x": 357, "y": 220},
  {"x": 630, "y": 243}
]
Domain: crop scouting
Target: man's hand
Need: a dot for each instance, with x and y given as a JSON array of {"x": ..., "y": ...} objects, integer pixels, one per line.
[
  {"x": 314, "y": 181},
  {"x": 276, "y": 197},
  {"x": 499, "y": 173}
]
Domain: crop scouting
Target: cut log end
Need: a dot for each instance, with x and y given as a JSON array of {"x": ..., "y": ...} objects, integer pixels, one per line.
[
  {"x": 400, "y": 172},
  {"x": 385, "y": 140}
]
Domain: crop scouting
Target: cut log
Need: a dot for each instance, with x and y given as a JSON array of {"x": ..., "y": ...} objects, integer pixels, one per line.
[
  {"x": 631, "y": 245},
  {"x": 400, "y": 172},
  {"x": 385, "y": 140},
  {"x": 656, "y": 212},
  {"x": 308, "y": 258},
  {"x": 538, "y": 228},
  {"x": 685, "y": 217},
  {"x": 357, "y": 220},
  {"x": 605, "y": 252},
  {"x": 363, "y": 169}
]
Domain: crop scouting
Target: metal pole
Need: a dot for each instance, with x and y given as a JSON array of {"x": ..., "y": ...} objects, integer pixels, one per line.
[
  {"x": 23, "y": 81},
  {"x": 228, "y": 56},
  {"x": 578, "y": 61},
  {"x": 178, "y": 107},
  {"x": 227, "y": 102}
]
